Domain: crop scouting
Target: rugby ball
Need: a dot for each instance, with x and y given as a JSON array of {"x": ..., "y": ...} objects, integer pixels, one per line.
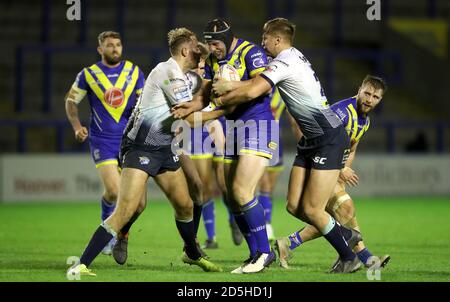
[
  {"x": 228, "y": 73},
  {"x": 114, "y": 97}
]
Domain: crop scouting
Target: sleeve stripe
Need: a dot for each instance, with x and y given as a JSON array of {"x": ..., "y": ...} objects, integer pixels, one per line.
[
  {"x": 267, "y": 79},
  {"x": 256, "y": 71}
]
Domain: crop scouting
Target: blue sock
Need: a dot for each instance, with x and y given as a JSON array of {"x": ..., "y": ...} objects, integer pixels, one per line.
[
  {"x": 364, "y": 255},
  {"x": 332, "y": 233},
  {"x": 245, "y": 230},
  {"x": 209, "y": 219},
  {"x": 107, "y": 209},
  {"x": 295, "y": 240},
  {"x": 265, "y": 199},
  {"x": 254, "y": 215}
]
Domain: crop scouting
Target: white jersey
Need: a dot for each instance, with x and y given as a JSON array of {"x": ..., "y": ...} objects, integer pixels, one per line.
[
  {"x": 301, "y": 91},
  {"x": 151, "y": 121}
]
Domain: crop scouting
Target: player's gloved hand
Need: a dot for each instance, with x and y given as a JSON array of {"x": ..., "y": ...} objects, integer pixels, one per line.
[
  {"x": 81, "y": 134},
  {"x": 182, "y": 110},
  {"x": 221, "y": 86},
  {"x": 349, "y": 176}
]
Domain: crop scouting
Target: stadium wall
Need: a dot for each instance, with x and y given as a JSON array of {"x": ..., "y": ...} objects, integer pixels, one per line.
[{"x": 72, "y": 178}]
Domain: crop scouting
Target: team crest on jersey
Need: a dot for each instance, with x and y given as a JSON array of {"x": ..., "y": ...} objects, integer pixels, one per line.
[
  {"x": 128, "y": 79},
  {"x": 144, "y": 160},
  {"x": 237, "y": 64}
]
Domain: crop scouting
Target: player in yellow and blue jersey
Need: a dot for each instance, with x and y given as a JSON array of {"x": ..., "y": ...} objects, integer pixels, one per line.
[
  {"x": 250, "y": 144},
  {"x": 112, "y": 86},
  {"x": 353, "y": 112},
  {"x": 251, "y": 139}
]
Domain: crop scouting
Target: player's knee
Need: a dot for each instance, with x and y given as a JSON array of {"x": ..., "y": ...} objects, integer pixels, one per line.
[
  {"x": 346, "y": 211},
  {"x": 184, "y": 211},
  {"x": 241, "y": 195},
  {"x": 208, "y": 193}
]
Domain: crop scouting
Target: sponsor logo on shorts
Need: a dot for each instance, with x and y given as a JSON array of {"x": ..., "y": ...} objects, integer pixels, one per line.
[
  {"x": 96, "y": 154},
  {"x": 319, "y": 160},
  {"x": 272, "y": 145},
  {"x": 144, "y": 160},
  {"x": 346, "y": 155}
]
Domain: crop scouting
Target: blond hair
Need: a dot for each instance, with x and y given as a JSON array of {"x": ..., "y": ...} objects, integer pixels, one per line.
[
  {"x": 178, "y": 36},
  {"x": 375, "y": 82}
]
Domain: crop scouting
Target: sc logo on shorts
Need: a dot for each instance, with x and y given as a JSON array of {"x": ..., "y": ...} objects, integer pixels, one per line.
[{"x": 319, "y": 160}]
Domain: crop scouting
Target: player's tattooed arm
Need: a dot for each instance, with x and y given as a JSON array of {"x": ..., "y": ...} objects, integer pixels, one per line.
[{"x": 71, "y": 106}]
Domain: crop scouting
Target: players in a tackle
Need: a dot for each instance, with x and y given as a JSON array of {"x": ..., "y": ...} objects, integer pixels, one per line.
[
  {"x": 146, "y": 151},
  {"x": 354, "y": 114},
  {"x": 112, "y": 86},
  {"x": 249, "y": 144},
  {"x": 325, "y": 145}
]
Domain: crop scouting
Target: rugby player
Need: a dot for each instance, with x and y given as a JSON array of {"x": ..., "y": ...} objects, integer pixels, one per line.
[
  {"x": 112, "y": 86},
  {"x": 325, "y": 145},
  {"x": 353, "y": 112},
  {"x": 207, "y": 150},
  {"x": 146, "y": 150},
  {"x": 249, "y": 141}
]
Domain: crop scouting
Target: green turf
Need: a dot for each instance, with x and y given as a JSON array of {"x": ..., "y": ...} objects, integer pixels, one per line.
[{"x": 36, "y": 240}]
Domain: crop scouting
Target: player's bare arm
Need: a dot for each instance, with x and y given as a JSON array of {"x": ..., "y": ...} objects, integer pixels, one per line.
[
  {"x": 247, "y": 91},
  {"x": 71, "y": 105},
  {"x": 294, "y": 126},
  {"x": 203, "y": 116}
]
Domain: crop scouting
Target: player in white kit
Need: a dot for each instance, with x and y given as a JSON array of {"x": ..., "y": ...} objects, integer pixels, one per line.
[
  {"x": 146, "y": 151},
  {"x": 324, "y": 147}
]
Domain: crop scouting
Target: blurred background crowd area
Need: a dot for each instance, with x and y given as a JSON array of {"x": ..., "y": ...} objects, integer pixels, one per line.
[{"x": 42, "y": 52}]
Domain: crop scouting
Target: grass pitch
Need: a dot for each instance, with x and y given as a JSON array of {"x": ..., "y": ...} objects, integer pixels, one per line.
[{"x": 37, "y": 239}]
